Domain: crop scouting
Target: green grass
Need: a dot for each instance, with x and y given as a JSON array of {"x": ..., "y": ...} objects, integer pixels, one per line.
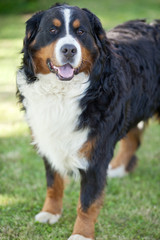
[{"x": 131, "y": 208}]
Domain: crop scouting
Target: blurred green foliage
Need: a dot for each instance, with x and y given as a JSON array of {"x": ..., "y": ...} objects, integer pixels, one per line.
[
  {"x": 24, "y": 6},
  {"x": 110, "y": 12},
  {"x": 122, "y": 7}
]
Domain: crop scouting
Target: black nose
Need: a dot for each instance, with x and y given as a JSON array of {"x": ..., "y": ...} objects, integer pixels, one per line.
[{"x": 68, "y": 50}]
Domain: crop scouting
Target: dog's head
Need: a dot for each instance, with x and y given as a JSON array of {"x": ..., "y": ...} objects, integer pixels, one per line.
[{"x": 62, "y": 40}]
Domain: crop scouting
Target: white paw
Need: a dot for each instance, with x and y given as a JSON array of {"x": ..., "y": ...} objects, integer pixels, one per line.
[
  {"x": 46, "y": 217},
  {"x": 78, "y": 237},
  {"x": 116, "y": 172},
  {"x": 140, "y": 125}
]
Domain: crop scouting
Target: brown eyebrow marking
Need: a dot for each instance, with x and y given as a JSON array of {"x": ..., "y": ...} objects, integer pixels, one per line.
[
  {"x": 76, "y": 23},
  {"x": 57, "y": 22}
]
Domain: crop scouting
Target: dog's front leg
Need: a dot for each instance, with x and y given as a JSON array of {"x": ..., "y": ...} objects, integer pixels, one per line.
[
  {"x": 90, "y": 202},
  {"x": 52, "y": 207}
]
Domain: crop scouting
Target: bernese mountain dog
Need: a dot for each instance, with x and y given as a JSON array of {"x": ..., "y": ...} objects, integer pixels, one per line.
[{"x": 82, "y": 91}]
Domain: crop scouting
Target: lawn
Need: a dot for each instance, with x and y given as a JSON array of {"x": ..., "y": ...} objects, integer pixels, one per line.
[{"x": 132, "y": 205}]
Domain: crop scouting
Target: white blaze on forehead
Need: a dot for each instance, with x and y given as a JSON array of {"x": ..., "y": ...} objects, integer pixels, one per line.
[
  {"x": 67, "y": 20},
  {"x": 67, "y": 39}
]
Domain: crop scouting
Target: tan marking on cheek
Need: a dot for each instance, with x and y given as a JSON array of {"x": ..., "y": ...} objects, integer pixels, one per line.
[
  {"x": 87, "y": 61},
  {"x": 87, "y": 149},
  {"x": 76, "y": 23},
  {"x": 53, "y": 201},
  {"x": 85, "y": 221},
  {"x": 57, "y": 22},
  {"x": 41, "y": 56}
]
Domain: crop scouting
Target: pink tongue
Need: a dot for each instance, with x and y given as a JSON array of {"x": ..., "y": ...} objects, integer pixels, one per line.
[{"x": 66, "y": 71}]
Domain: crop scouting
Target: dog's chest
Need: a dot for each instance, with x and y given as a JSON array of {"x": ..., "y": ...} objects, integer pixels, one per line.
[{"x": 52, "y": 112}]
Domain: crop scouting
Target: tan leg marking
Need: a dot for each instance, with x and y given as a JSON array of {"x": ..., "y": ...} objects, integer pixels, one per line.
[
  {"x": 128, "y": 146},
  {"x": 85, "y": 221},
  {"x": 53, "y": 202}
]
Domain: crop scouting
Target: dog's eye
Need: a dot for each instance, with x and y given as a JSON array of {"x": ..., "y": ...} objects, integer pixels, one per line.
[
  {"x": 53, "y": 30},
  {"x": 80, "y": 32}
]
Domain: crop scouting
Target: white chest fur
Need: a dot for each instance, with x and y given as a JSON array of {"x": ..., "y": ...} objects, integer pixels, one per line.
[{"x": 52, "y": 111}]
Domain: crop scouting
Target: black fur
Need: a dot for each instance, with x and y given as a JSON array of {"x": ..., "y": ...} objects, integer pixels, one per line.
[
  {"x": 32, "y": 26},
  {"x": 27, "y": 63},
  {"x": 49, "y": 173},
  {"x": 124, "y": 89}
]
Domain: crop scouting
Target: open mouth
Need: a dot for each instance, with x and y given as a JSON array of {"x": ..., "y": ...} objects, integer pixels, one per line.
[{"x": 65, "y": 72}]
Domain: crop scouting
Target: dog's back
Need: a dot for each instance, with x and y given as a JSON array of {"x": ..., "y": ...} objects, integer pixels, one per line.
[{"x": 139, "y": 44}]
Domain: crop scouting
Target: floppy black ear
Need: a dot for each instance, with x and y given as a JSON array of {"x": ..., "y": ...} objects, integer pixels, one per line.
[
  {"x": 98, "y": 31},
  {"x": 32, "y": 26},
  {"x": 107, "y": 81}
]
